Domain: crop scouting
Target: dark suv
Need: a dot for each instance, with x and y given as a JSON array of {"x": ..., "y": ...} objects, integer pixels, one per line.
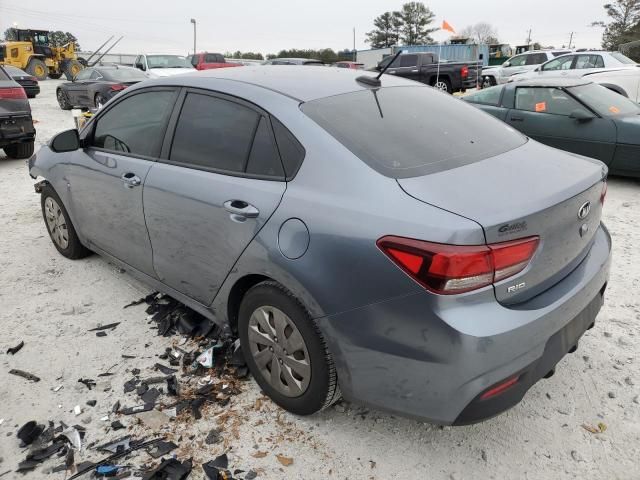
[{"x": 17, "y": 133}]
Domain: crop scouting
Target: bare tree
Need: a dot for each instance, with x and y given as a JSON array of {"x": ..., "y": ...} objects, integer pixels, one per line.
[{"x": 481, "y": 32}]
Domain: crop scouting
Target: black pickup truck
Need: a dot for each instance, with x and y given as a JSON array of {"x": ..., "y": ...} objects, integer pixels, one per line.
[{"x": 423, "y": 67}]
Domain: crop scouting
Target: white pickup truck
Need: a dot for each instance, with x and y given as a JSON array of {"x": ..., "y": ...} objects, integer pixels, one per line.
[{"x": 157, "y": 65}]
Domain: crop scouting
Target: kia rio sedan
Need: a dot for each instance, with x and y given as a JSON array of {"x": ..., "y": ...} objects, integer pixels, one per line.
[{"x": 390, "y": 244}]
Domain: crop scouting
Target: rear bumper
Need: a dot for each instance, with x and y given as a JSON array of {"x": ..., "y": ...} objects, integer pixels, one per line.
[
  {"x": 16, "y": 129},
  {"x": 431, "y": 357},
  {"x": 31, "y": 90}
]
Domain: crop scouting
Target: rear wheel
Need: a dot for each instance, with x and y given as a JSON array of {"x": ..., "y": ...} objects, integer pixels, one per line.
[
  {"x": 72, "y": 68},
  {"x": 285, "y": 351},
  {"x": 59, "y": 225},
  {"x": 62, "y": 100},
  {"x": 488, "y": 82},
  {"x": 37, "y": 68},
  {"x": 19, "y": 150},
  {"x": 443, "y": 85}
]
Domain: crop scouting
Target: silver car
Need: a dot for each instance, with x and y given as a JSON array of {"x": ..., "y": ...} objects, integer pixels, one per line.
[{"x": 391, "y": 244}]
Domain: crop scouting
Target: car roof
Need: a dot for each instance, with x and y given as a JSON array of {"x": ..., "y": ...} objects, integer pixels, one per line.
[
  {"x": 561, "y": 82},
  {"x": 302, "y": 84}
]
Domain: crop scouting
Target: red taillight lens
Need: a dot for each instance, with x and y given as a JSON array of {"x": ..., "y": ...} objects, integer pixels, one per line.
[
  {"x": 464, "y": 72},
  {"x": 14, "y": 93},
  {"x": 32, "y": 79},
  {"x": 500, "y": 388},
  {"x": 117, "y": 88},
  {"x": 603, "y": 195},
  {"x": 450, "y": 269}
]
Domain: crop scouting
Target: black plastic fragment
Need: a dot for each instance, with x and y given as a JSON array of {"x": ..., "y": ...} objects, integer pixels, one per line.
[
  {"x": 164, "y": 369},
  {"x": 21, "y": 373},
  {"x": 150, "y": 396},
  {"x": 101, "y": 334},
  {"x": 88, "y": 382},
  {"x": 16, "y": 349},
  {"x": 213, "y": 437},
  {"x": 29, "y": 432},
  {"x": 172, "y": 385},
  {"x": 117, "y": 425},
  {"x": 142, "y": 300},
  {"x": 130, "y": 385},
  {"x": 195, "y": 407},
  {"x": 142, "y": 389},
  {"x": 161, "y": 448},
  {"x": 104, "y": 327},
  {"x": 170, "y": 469},
  {"x": 137, "y": 409},
  {"x": 214, "y": 468},
  {"x": 92, "y": 403},
  {"x": 116, "y": 446},
  {"x": 116, "y": 407}
]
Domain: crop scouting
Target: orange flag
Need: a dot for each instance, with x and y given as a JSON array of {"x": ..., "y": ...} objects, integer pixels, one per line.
[{"x": 447, "y": 27}]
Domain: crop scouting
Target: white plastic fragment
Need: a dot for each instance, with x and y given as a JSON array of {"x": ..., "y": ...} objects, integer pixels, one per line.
[
  {"x": 105, "y": 418},
  {"x": 206, "y": 358},
  {"x": 77, "y": 410},
  {"x": 58, "y": 388}
]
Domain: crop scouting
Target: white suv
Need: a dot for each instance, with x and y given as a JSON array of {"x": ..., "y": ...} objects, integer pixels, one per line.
[
  {"x": 519, "y": 64},
  {"x": 157, "y": 65}
]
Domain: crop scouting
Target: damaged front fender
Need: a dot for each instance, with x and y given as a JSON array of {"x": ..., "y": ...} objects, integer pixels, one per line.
[{"x": 40, "y": 185}]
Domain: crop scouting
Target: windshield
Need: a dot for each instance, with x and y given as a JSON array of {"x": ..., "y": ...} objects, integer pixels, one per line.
[
  {"x": 622, "y": 58},
  {"x": 604, "y": 101},
  {"x": 124, "y": 75},
  {"x": 168, "y": 61},
  {"x": 404, "y": 132}
]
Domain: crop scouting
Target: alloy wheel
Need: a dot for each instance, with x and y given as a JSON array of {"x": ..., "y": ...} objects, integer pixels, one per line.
[
  {"x": 441, "y": 86},
  {"x": 279, "y": 351},
  {"x": 56, "y": 223}
]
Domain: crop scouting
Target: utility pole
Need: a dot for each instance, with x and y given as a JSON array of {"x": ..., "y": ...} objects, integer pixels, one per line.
[
  {"x": 529, "y": 38},
  {"x": 570, "y": 39},
  {"x": 193, "y": 20},
  {"x": 354, "y": 44}
]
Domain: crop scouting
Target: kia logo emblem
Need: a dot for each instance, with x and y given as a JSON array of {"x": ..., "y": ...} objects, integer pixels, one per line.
[{"x": 584, "y": 210}]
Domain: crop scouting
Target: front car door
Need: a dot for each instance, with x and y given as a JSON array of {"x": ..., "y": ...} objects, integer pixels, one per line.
[
  {"x": 106, "y": 178},
  {"x": 406, "y": 66},
  {"x": 220, "y": 180},
  {"x": 544, "y": 114},
  {"x": 74, "y": 89}
]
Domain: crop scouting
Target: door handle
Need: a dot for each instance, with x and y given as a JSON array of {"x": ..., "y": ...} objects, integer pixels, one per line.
[
  {"x": 415, "y": 70},
  {"x": 241, "y": 208},
  {"x": 130, "y": 179},
  {"x": 517, "y": 119}
]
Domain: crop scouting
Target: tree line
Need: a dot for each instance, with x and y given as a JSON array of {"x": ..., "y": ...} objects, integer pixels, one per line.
[{"x": 624, "y": 26}]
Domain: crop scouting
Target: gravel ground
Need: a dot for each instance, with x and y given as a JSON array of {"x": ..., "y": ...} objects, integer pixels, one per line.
[{"x": 49, "y": 302}]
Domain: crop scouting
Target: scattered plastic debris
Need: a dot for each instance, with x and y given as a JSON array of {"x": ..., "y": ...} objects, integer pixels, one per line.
[
  {"x": 21, "y": 373},
  {"x": 109, "y": 326},
  {"x": 87, "y": 382},
  {"x": 16, "y": 349}
]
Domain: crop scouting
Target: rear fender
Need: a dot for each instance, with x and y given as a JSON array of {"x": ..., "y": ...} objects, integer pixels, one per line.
[{"x": 615, "y": 88}]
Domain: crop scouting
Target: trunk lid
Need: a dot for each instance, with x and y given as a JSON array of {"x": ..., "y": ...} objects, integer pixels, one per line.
[
  {"x": 13, "y": 106},
  {"x": 533, "y": 190}
]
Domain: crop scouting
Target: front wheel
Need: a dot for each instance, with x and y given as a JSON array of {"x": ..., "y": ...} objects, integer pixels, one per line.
[
  {"x": 285, "y": 351},
  {"x": 62, "y": 100},
  {"x": 99, "y": 100},
  {"x": 38, "y": 69},
  {"x": 61, "y": 230}
]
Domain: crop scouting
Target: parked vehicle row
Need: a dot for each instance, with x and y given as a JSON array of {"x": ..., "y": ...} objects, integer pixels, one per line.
[
  {"x": 518, "y": 64},
  {"x": 17, "y": 133},
  {"x": 437, "y": 268},
  {"x": 428, "y": 68},
  {"x": 575, "y": 115}
]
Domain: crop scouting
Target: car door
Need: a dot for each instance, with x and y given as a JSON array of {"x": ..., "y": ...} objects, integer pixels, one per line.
[
  {"x": 219, "y": 184},
  {"x": 406, "y": 66},
  {"x": 489, "y": 100},
  {"x": 75, "y": 88},
  {"x": 584, "y": 61},
  {"x": 105, "y": 178},
  {"x": 85, "y": 95},
  {"x": 514, "y": 65},
  {"x": 545, "y": 114}
]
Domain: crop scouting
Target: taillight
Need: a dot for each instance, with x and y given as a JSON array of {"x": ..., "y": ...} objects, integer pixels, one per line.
[
  {"x": 603, "y": 194},
  {"x": 451, "y": 269},
  {"x": 464, "y": 72},
  {"x": 117, "y": 87},
  {"x": 14, "y": 93},
  {"x": 499, "y": 388}
]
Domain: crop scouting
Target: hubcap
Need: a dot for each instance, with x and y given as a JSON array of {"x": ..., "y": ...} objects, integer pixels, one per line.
[
  {"x": 39, "y": 71},
  {"x": 441, "y": 86},
  {"x": 279, "y": 351},
  {"x": 56, "y": 223}
]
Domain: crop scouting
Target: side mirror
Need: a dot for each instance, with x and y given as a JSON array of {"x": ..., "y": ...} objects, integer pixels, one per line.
[
  {"x": 140, "y": 66},
  {"x": 67, "y": 141},
  {"x": 506, "y": 64},
  {"x": 581, "y": 116}
]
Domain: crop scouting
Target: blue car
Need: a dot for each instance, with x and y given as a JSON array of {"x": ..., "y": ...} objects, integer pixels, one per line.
[{"x": 390, "y": 244}]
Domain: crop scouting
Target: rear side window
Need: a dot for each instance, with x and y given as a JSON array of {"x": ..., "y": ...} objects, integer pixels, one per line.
[
  {"x": 214, "y": 133},
  {"x": 536, "y": 58},
  {"x": 291, "y": 151},
  {"x": 210, "y": 58},
  {"x": 589, "y": 61},
  {"x": 408, "y": 60},
  {"x": 264, "y": 159},
  {"x": 136, "y": 124},
  {"x": 406, "y": 132}
]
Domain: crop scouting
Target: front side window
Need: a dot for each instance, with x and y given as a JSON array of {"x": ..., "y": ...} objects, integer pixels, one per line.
[
  {"x": 518, "y": 61},
  {"x": 84, "y": 74},
  {"x": 560, "y": 63},
  {"x": 210, "y": 58},
  {"x": 486, "y": 96},
  {"x": 168, "y": 61},
  {"x": 546, "y": 100},
  {"x": 214, "y": 133},
  {"x": 136, "y": 124}
]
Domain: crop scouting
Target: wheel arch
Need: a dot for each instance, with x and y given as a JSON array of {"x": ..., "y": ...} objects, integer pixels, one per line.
[{"x": 237, "y": 293}]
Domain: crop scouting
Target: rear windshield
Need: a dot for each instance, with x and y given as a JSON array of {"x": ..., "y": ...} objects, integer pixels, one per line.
[
  {"x": 124, "y": 75},
  {"x": 412, "y": 131},
  {"x": 622, "y": 58},
  {"x": 604, "y": 101},
  {"x": 3, "y": 76}
]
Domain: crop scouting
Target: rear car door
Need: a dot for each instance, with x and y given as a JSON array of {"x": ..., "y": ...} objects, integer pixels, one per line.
[
  {"x": 220, "y": 180},
  {"x": 543, "y": 113},
  {"x": 489, "y": 100},
  {"x": 516, "y": 65},
  {"x": 406, "y": 66},
  {"x": 106, "y": 178},
  {"x": 560, "y": 66}
]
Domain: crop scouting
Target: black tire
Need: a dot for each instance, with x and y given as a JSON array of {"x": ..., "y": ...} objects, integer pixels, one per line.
[
  {"x": 444, "y": 85},
  {"x": 322, "y": 389},
  {"x": 55, "y": 76},
  {"x": 488, "y": 82},
  {"x": 62, "y": 100},
  {"x": 74, "y": 249},
  {"x": 71, "y": 69},
  {"x": 38, "y": 69},
  {"x": 19, "y": 150}
]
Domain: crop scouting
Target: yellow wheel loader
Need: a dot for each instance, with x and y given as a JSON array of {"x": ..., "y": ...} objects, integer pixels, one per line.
[{"x": 32, "y": 52}]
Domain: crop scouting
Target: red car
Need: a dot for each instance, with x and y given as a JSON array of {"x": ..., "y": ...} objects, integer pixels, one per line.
[
  {"x": 207, "y": 61},
  {"x": 352, "y": 65}
]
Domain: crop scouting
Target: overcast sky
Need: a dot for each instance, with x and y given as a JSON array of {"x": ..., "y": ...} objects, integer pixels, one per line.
[{"x": 271, "y": 25}]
